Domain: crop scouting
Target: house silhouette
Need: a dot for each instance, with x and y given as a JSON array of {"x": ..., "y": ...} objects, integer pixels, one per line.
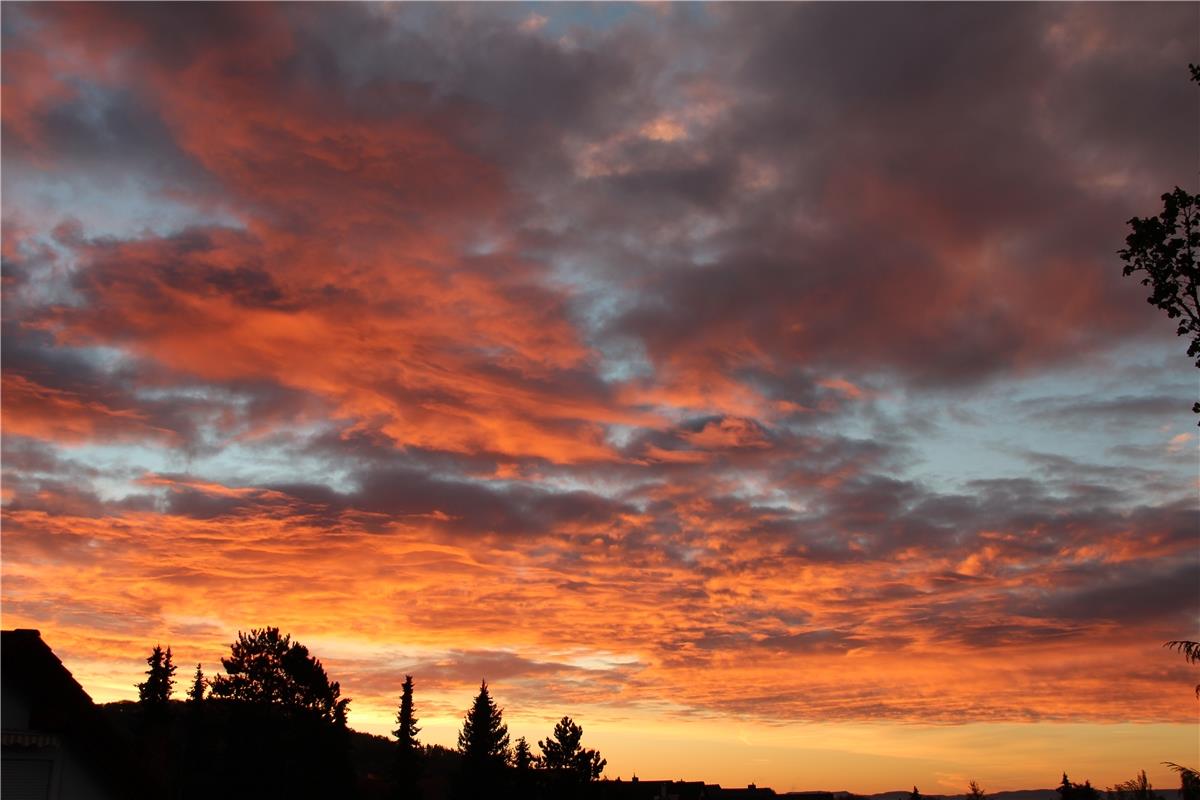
[{"x": 54, "y": 742}]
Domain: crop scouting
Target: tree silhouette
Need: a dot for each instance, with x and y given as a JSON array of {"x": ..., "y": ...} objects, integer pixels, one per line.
[
  {"x": 1138, "y": 788},
  {"x": 1189, "y": 781},
  {"x": 406, "y": 723},
  {"x": 156, "y": 691},
  {"x": 408, "y": 752},
  {"x": 282, "y": 722},
  {"x": 1191, "y": 652},
  {"x": 564, "y": 753},
  {"x": 522, "y": 756},
  {"x": 1077, "y": 791},
  {"x": 483, "y": 740},
  {"x": 1164, "y": 248},
  {"x": 483, "y": 747},
  {"x": 267, "y": 668},
  {"x": 974, "y": 792},
  {"x": 196, "y": 693},
  {"x": 524, "y": 778},
  {"x": 915, "y": 794}
]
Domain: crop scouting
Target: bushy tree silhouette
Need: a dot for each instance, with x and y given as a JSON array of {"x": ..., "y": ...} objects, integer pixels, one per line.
[
  {"x": 407, "y": 766},
  {"x": 156, "y": 691},
  {"x": 1189, "y": 781},
  {"x": 974, "y": 792},
  {"x": 915, "y": 794},
  {"x": 1077, "y": 791},
  {"x": 1137, "y": 788},
  {"x": 1190, "y": 650},
  {"x": 281, "y": 722},
  {"x": 564, "y": 753},
  {"x": 267, "y": 667},
  {"x": 1163, "y": 249}
]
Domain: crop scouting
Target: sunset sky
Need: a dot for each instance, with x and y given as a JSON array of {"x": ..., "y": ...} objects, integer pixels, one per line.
[{"x": 756, "y": 384}]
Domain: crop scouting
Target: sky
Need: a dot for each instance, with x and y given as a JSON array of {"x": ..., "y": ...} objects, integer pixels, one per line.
[{"x": 756, "y": 384}]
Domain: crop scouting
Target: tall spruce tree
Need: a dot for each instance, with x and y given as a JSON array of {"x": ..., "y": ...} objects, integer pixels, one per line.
[
  {"x": 406, "y": 730},
  {"x": 155, "y": 691},
  {"x": 483, "y": 740},
  {"x": 407, "y": 766}
]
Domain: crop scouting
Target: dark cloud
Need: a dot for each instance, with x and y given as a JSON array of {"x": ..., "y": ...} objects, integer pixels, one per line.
[
  {"x": 463, "y": 666},
  {"x": 911, "y": 174},
  {"x": 1133, "y": 594}
]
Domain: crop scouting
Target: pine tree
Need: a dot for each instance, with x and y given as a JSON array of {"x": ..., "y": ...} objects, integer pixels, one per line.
[
  {"x": 156, "y": 691},
  {"x": 408, "y": 750},
  {"x": 522, "y": 756},
  {"x": 524, "y": 778},
  {"x": 483, "y": 740},
  {"x": 196, "y": 694},
  {"x": 268, "y": 668},
  {"x": 565, "y": 753}
]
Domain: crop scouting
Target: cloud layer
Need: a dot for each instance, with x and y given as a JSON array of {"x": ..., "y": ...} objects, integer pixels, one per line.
[{"x": 604, "y": 352}]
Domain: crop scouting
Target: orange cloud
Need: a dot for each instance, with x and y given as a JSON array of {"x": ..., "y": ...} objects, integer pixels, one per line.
[{"x": 31, "y": 409}]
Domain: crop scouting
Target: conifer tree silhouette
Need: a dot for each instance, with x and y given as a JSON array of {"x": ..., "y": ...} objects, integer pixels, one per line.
[
  {"x": 525, "y": 779},
  {"x": 483, "y": 740},
  {"x": 522, "y": 756},
  {"x": 406, "y": 730},
  {"x": 156, "y": 691},
  {"x": 408, "y": 750},
  {"x": 483, "y": 745},
  {"x": 196, "y": 693}
]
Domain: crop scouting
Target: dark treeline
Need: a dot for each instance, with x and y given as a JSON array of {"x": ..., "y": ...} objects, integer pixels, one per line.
[{"x": 274, "y": 726}]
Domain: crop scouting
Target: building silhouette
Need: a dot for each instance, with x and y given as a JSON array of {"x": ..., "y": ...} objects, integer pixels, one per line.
[{"x": 54, "y": 742}]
